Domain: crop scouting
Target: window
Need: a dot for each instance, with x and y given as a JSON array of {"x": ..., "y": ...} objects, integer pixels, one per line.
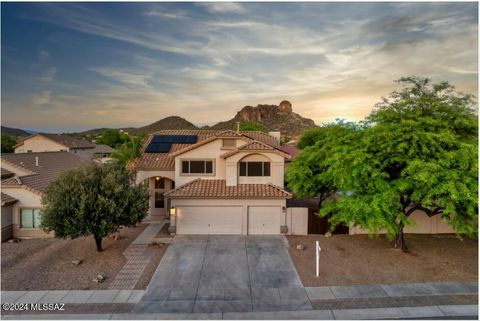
[
  {"x": 254, "y": 168},
  {"x": 159, "y": 182},
  {"x": 197, "y": 167},
  {"x": 30, "y": 218},
  {"x": 229, "y": 143},
  {"x": 29, "y": 150},
  {"x": 159, "y": 200}
]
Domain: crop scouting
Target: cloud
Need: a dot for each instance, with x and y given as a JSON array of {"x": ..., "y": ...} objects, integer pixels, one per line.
[
  {"x": 168, "y": 15},
  {"x": 124, "y": 75},
  {"x": 48, "y": 74},
  {"x": 42, "y": 98},
  {"x": 223, "y": 7},
  {"x": 43, "y": 55},
  {"x": 329, "y": 60}
]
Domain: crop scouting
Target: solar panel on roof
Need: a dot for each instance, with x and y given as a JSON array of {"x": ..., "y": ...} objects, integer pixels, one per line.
[
  {"x": 158, "y": 148},
  {"x": 163, "y": 143},
  {"x": 175, "y": 139}
]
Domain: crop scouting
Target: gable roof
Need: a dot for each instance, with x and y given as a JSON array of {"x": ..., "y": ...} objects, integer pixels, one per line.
[
  {"x": 255, "y": 146},
  {"x": 5, "y": 173},
  {"x": 166, "y": 161},
  {"x": 64, "y": 140},
  {"x": 217, "y": 188},
  {"x": 50, "y": 164},
  {"x": 7, "y": 199}
]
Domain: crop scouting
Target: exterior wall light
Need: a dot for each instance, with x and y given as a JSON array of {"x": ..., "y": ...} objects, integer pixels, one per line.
[
  {"x": 157, "y": 178},
  {"x": 284, "y": 210},
  {"x": 172, "y": 210}
]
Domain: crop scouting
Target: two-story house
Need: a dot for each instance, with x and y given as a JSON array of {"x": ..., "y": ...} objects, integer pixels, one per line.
[
  {"x": 38, "y": 143},
  {"x": 216, "y": 182}
]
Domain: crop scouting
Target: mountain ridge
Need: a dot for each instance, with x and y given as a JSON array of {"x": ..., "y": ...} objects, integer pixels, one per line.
[{"x": 274, "y": 117}]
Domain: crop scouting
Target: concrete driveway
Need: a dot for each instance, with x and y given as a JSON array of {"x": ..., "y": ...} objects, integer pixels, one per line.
[{"x": 225, "y": 274}]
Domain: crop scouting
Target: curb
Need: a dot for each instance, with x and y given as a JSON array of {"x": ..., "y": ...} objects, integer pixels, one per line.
[{"x": 441, "y": 311}]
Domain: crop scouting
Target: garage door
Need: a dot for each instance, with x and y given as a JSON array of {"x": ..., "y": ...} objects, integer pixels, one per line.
[
  {"x": 209, "y": 220},
  {"x": 264, "y": 219}
]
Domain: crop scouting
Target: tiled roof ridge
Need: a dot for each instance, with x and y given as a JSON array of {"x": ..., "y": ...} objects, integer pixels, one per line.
[
  {"x": 244, "y": 147},
  {"x": 217, "y": 188},
  {"x": 183, "y": 186}
]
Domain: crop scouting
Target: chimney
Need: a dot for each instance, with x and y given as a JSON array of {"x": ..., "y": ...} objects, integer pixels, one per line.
[
  {"x": 238, "y": 126},
  {"x": 36, "y": 160},
  {"x": 275, "y": 134}
]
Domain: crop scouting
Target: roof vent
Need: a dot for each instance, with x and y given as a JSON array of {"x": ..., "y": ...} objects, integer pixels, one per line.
[{"x": 36, "y": 160}]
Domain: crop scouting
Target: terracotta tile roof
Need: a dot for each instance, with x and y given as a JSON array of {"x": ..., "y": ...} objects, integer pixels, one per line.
[
  {"x": 64, "y": 140},
  {"x": 50, "y": 164},
  {"x": 7, "y": 199},
  {"x": 217, "y": 188},
  {"x": 290, "y": 149},
  {"x": 166, "y": 162},
  {"x": 256, "y": 146},
  {"x": 5, "y": 173}
]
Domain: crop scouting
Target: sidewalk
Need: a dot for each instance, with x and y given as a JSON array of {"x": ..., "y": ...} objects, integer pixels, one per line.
[
  {"x": 427, "y": 312},
  {"x": 397, "y": 301},
  {"x": 315, "y": 294}
]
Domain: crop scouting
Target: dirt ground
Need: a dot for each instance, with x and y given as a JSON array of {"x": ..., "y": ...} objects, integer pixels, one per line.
[
  {"x": 45, "y": 264},
  {"x": 358, "y": 259}
]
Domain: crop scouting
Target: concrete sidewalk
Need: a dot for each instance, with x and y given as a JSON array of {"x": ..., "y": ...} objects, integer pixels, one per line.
[
  {"x": 426, "y": 312},
  {"x": 390, "y": 290},
  {"x": 73, "y": 296},
  {"x": 314, "y": 293}
]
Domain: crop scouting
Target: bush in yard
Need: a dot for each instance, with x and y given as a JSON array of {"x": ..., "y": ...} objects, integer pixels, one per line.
[
  {"x": 417, "y": 151},
  {"x": 93, "y": 200}
]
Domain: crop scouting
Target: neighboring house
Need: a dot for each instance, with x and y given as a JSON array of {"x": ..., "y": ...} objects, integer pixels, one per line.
[
  {"x": 24, "y": 177},
  {"x": 217, "y": 182},
  {"x": 56, "y": 142}
]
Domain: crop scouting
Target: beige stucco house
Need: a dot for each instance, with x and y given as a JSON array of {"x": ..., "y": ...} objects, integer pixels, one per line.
[
  {"x": 24, "y": 177},
  {"x": 218, "y": 182},
  {"x": 38, "y": 143}
]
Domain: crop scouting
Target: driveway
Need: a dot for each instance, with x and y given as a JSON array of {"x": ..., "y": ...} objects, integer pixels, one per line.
[{"x": 225, "y": 274}]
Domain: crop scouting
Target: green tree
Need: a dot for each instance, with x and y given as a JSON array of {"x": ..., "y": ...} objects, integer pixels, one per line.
[
  {"x": 417, "y": 151},
  {"x": 93, "y": 200},
  {"x": 311, "y": 136},
  {"x": 253, "y": 126},
  {"x": 309, "y": 174},
  {"x": 129, "y": 150},
  {"x": 8, "y": 141},
  {"x": 112, "y": 138}
]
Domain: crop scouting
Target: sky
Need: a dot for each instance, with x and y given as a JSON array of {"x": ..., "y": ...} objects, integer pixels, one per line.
[{"x": 77, "y": 66}]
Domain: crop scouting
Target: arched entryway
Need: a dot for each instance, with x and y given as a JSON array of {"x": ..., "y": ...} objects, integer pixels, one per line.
[{"x": 158, "y": 204}]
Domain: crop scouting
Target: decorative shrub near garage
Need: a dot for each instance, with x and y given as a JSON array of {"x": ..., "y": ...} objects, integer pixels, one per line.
[{"x": 93, "y": 200}]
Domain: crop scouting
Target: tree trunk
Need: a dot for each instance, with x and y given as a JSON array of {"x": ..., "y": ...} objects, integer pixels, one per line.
[
  {"x": 98, "y": 242},
  {"x": 400, "y": 240}
]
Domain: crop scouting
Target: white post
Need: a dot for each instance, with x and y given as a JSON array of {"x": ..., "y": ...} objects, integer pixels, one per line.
[{"x": 317, "y": 251}]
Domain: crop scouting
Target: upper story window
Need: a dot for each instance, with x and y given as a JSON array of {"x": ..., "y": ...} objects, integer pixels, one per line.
[
  {"x": 254, "y": 168},
  {"x": 201, "y": 167},
  {"x": 228, "y": 143}
]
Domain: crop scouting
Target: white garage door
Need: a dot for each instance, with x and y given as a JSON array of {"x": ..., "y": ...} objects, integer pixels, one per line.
[
  {"x": 209, "y": 220},
  {"x": 264, "y": 219}
]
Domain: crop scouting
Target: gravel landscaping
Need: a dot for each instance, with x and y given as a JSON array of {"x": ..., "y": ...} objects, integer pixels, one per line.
[
  {"x": 358, "y": 259},
  {"x": 46, "y": 264}
]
